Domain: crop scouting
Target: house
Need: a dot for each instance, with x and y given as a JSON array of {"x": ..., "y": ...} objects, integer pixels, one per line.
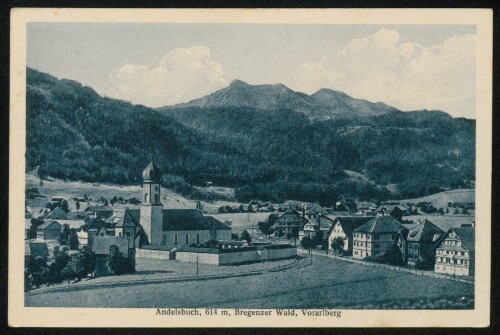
[
  {"x": 100, "y": 247},
  {"x": 290, "y": 222},
  {"x": 320, "y": 226},
  {"x": 376, "y": 237},
  {"x": 173, "y": 227},
  {"x": 316, "y": 211},
  {"x": 91, "y": 229},
  {"x": 49, "y": 230},
  {"x": 421, "y": 243},
  {"x": 344, "y": 227},
  {"x": 102, "y": 212},
  {"x": 455, "y": 252},
  {"x": 396, "y": 211},
  {"x": 56, "y": 214}
]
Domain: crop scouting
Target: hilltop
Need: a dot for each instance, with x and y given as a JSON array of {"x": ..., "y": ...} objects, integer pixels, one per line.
[{"x": 323, "y": 104}]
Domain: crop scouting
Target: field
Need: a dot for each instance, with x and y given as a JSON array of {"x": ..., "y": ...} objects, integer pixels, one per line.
[
  {"x": 441, "y": 199},
  {"x": 327, "y": 283}
]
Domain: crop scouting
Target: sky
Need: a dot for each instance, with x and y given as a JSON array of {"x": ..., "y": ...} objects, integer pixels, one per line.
[{"x": 406, "y": 66}]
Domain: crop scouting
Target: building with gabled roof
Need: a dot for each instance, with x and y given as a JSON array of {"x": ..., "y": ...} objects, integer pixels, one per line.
[
  {"x": 49, "y": 230},
  {"x": 376, "y": 237},
  {"x": 289, "y": 222},
  {"x": 56, "y": 213},
  {"x": 455, "y": 252},
  {"x": 420, "y": 244},
  {"x": 102, "y": 212},
  {"x": 101, "y": 248},
  {"x": 396, "y": 211},
  {"x": 344, "y": 227}
]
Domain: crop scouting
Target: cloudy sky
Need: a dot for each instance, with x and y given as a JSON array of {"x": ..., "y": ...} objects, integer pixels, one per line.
[{"x": 406, "y": 66}]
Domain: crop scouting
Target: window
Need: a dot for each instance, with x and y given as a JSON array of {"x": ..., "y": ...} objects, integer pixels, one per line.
[
  {"x": 128, "y": 234},
  {"x": 393, "y": 236},
  {"x": 175, "y": 239},
  {"x": 197, "y": 238},
  {"x": 187, "y": 239},
  {"x": 157, "y": 199},
  {"x": 156, "y": 187},
  {"x": 120, "y": 234},
  {"x": 145, "y": 197},
  {"x": 164, "y": 240}
]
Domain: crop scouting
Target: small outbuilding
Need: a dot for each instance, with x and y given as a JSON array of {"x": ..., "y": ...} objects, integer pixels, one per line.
[
  {"x": 48, "y": 231},
  {"x": 100, "y": 247}
]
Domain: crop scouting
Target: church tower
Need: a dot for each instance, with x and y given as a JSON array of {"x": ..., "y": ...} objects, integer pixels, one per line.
[{"x": 151, "y": 207}]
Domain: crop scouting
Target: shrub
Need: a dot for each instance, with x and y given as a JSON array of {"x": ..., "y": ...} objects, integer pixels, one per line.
[{"x": 117, "y": 263}]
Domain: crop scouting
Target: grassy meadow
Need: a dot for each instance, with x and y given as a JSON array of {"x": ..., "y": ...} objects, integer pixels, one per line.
[{"x": 327, "y": 283}]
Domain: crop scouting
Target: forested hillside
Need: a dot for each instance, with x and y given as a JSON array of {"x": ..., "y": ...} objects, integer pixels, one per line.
[{"x": 271, "y": 154}]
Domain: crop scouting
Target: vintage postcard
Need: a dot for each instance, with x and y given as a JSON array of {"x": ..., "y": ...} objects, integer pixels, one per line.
[{"x": 250, "y": 168}]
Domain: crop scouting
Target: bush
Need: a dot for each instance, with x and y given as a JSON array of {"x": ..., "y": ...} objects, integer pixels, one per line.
[
  {"x": 117, "y": 263},
  {"x": 245, "y": 236},
  {"x": 81, "y": 264},
  {"x": 338, "y": 244}
]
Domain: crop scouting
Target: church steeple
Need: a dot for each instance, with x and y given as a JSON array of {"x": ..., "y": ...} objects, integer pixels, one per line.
[
  {"x": 151, "y": 178},
  {"x": 151, "y": 208}
]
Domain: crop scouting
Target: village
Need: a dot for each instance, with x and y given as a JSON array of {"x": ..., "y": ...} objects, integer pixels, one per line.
[{"x": 75, "y": 240}]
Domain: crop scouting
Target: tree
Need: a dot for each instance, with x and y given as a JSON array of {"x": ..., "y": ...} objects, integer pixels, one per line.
[
  {"x": 33, "y": 228},
  {"x": 266, "y": 227},
  {"x": 393, "y": 256},
  {"x": 64, "y": 206},
  {"x": 73, "y": 240},
  {"x": 245, "y": 236},
  {"x": 308, "y": 242},
  {"x": 338, "y": 244},
  {"x": 117, "y": 263},
  {"x": 81, "y": 264},
  {"x": 64, "y": 234},
  {"x": 61, "y": 260},
  {"x": 39, "y": 270}
]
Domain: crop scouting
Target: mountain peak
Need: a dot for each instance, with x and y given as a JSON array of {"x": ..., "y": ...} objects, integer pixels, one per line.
[{"x": 238, "y": 83}]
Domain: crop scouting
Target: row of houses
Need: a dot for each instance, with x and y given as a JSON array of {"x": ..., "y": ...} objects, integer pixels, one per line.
[{"x": 422, "y": 245}]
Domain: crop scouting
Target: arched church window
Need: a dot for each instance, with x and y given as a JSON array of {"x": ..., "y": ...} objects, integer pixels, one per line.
[
  {"x": 157, "y": 199},
  {"x": 146, "y": 197}
]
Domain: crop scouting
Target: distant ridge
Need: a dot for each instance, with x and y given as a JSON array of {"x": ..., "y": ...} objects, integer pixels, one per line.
[{"x": 323, "y": 104}]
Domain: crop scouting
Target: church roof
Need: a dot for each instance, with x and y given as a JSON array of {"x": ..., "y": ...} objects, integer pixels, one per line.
[
  {"x": 216, "y": 224},
  {"x": 151, "y": 173},
  {"x": 184, "y": 219}
]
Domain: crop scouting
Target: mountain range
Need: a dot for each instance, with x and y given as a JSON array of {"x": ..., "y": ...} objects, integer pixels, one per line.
[
  {"x": 266, "y": 141},
  {"x": 323, "y": 104}
]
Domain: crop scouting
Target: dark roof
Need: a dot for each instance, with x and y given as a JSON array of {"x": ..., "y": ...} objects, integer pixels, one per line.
[
  {"x": 350, "y": 223},
  {"x": 101, "y": 244},
  {"x": 290, "y": 210},
  {"x": 47, "y": 224},
  {"x": 316, "y": 210},
  {"x": 216, "y": 224},
  {"x": 151, "y": 173},
  {"x": 94, "y": 223},
  {"x": 381, "y": 224},
  {"x": 99, "y": 209},
  {"x": 425, "y": 232},
  {"x": 125, "y": 219},
  {"x": 466, "y": 236},
  {"x": 71, "y": 215},
  {"x": 184, "y": 219},
  {"x": 57, "y": 213}
]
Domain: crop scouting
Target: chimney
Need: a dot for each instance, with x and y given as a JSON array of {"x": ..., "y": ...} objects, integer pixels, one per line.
[{"x": 304, "y": 211}]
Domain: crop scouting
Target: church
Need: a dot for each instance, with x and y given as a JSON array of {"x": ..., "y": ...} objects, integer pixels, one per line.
[{"x": 172, "y": 227}]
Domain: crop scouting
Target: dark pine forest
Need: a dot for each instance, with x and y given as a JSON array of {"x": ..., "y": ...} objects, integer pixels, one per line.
[{"x": 272, "y": 154}]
